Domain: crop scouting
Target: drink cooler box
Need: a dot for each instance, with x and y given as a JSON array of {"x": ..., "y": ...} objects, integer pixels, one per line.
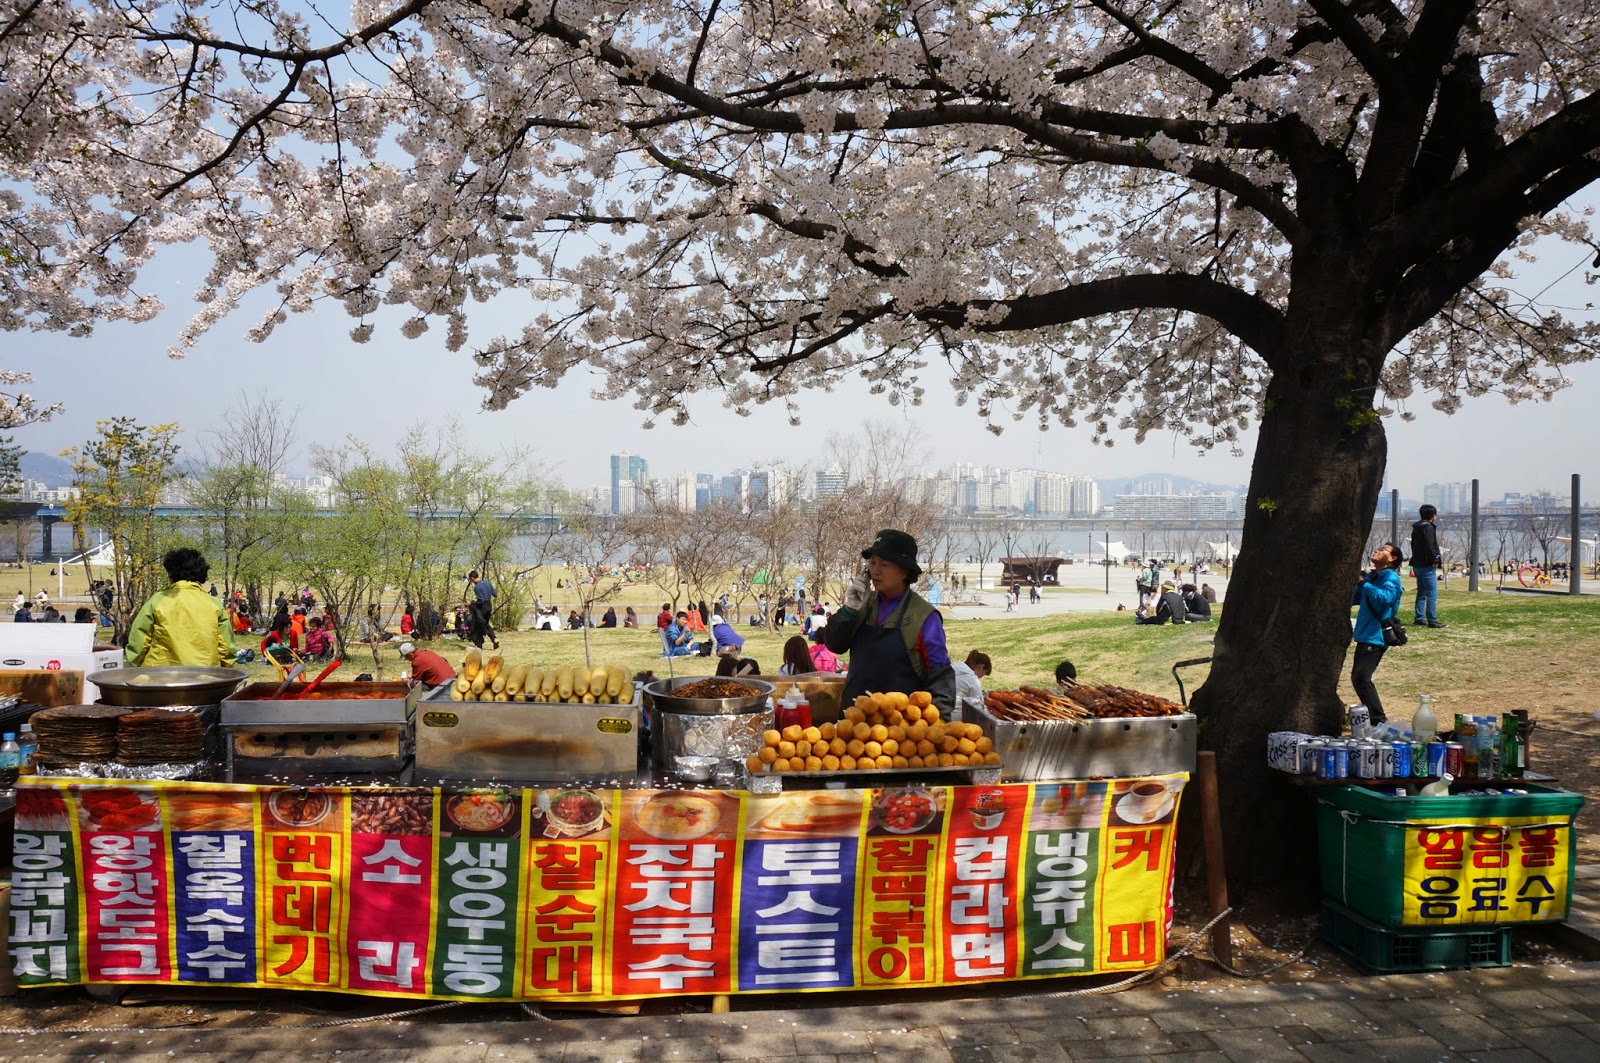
[
  {"x": 1383, "y": 950},
  {"x": 1361, "y": 844}
]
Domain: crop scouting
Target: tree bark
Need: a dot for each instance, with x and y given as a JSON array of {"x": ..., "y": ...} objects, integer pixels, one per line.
[{"x": 1285, "y": 631}]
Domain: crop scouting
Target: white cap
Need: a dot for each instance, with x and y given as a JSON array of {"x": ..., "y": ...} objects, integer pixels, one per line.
[{"x": 407, "y": 649}]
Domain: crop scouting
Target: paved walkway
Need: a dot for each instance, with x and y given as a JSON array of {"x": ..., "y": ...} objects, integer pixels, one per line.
[{"x": 1548, "y": 1013}]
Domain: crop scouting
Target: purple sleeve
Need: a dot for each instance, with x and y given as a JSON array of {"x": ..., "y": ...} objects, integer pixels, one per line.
[{"x": 935, "y": 655}]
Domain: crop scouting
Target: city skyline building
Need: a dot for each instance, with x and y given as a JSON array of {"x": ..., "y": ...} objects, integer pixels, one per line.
[{"x": 629, "y": 472}]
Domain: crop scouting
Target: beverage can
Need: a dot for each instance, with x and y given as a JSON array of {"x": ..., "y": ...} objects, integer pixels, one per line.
[
  {"x": 1360, "y": 766},
  {"x": 1438, "y": 759},
  {"x": 1385, "y": 760},
  {"x": 1401, "y": 752},
  {"x": 1360, "y": 721},
  {"x": 1311, "y": 756},
  {"x": 1419, "y": 760},
  {"x": 1455, "y": 759},
  {"x": 1335, "y": 761}
]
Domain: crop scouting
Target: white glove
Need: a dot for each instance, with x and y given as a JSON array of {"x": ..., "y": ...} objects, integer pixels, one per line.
[{"x": 855, "y": 595}]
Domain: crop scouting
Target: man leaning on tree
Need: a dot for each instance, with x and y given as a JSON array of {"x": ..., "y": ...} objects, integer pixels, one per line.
[{"x": 1425, "y": 562}]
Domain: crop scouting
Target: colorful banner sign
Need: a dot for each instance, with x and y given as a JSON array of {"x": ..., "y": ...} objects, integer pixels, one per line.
[
  {"x": 1501, "y": 870},
  {"x": 513, "y": 894}
]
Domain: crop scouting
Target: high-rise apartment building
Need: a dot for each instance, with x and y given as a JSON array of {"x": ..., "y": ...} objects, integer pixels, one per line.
[
  {"x": 830, "y": 482},
  {"x": 1449, "y": 497},
  {"x": 629, "y": 473}
]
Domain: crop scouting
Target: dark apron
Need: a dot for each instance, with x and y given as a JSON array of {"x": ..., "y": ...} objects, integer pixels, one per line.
[{"x": 878, "y": 659}]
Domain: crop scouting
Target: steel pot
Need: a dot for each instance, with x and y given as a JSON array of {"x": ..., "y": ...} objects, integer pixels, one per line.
[
  {"x": 661, "y": 692},
  {"x": 176, "y": 684}
]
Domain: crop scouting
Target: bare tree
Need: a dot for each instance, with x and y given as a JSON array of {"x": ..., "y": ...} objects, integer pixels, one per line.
[
  {"x": 593, "y": 545},
  {"x": 985, "y": 541},
  {"x": 1540, "y": 522}
]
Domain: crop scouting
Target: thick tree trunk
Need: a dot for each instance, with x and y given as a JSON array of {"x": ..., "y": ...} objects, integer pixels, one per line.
[{"x": 1285, "y": 630}]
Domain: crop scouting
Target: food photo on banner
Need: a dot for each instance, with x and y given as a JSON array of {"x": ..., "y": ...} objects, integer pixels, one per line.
[{"x": 479, "y": 893}]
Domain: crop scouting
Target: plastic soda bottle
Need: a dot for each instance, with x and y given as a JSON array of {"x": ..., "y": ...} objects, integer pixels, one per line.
[
  {"x": 27, "y": 745},
  {"x": 10, "y": 761}
]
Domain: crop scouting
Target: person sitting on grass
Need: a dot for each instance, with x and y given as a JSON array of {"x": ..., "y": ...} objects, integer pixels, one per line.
[
  {"x": 1169, "y": 608},
  {"x": 1066, "y": 675},
  {"x": 734, "y": 667},
  {"x": 1196, "y": 609},
  {"x": 679, "y": 641},
  {"x": 319, "y": 640}
]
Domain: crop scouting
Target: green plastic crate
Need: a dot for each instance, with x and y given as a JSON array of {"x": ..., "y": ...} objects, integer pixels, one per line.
[
  {"x": 1384, "y": 950},
  {"x": 1361, "y": 837}
]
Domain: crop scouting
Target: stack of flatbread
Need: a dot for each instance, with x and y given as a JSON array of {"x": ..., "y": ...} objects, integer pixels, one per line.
[
  {"x": 69, "y": 735},
  {"x": 161, "y": 736}
]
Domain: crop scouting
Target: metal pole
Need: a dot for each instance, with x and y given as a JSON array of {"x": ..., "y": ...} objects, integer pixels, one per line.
[
  {"x": 1108, "y": 559},
  {"x": 1575, "y": 555},
  {"x": 1394, "y": 515},
  {"x": 1472, "y": 542}
]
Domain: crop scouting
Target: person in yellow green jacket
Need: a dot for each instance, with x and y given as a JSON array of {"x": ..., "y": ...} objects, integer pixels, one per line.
[{"x": 182, "y": 624}]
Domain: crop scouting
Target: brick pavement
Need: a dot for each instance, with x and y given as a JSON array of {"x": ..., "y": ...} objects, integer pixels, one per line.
[{"x": 1506, "y": 1015}]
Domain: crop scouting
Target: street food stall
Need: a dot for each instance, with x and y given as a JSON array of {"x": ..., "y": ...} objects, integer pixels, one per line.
[{"x": 504, "y": 837}]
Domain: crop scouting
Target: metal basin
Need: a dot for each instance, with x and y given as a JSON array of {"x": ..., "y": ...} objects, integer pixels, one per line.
[
  {"x": 167, "y": 685},
  {"x": 661, "y": 691}
]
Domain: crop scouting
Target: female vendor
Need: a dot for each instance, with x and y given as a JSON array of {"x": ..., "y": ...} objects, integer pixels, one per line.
[{"x": 894, "y": 637}]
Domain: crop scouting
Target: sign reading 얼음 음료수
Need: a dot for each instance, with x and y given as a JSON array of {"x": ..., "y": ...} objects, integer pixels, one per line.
[
  {"x": 587, "y": 894},
  {"x": 1487, "y": 870}
]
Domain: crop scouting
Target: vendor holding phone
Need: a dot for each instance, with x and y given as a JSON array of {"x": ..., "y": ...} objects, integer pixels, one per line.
[{"x": 894, "y": 637}]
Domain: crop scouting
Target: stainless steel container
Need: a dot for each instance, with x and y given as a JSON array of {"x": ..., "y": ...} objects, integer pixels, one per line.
[
  {"x": 725, "y": 728},
  {"x": 330, "y": 734},
  {"x": 664, "y": 699},
  {"x": 728, "y": 737},
  {"x": 166, "y": 686},
  {"x": 1046, "y": 750},
  {"x": 528, "y": 741}
]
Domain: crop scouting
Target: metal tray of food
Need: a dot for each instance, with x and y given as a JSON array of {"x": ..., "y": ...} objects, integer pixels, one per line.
[
  {"x": 528, "y": 741},
  {"x": 1109, "y": 748},
  {"x": 664, "y": 700},
  {"x": 161, "y": 686},
  {"x": 771, "y": 782}
]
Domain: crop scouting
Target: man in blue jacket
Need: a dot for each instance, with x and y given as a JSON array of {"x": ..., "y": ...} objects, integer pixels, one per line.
[{"x": 1425, "y": 562}]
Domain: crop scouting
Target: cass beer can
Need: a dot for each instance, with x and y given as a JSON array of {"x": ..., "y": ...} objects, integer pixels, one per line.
[
  {"x": 1385, "y": 760},
  {"x": 1401, "y": 754},
  {"x": 1455, "y": 759},
  {"x": 1366, "y": 754},
  {"x": 1438, "y": 759},
  {"x": 1311, "y": 756},
  {"x": 1360, "y": 721},
  {"x": 1341, "y": 760}
]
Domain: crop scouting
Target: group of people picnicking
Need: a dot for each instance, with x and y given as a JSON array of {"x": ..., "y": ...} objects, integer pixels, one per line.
[{"x": 40, "y": 610}]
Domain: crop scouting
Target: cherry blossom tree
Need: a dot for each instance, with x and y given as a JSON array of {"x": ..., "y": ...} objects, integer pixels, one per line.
[{"x": 1311, "y": 209}]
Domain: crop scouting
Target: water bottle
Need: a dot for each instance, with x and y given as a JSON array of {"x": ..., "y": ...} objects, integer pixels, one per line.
[
  {"x": 27, "y": 745},
  {"x": 10, "y": 761}
]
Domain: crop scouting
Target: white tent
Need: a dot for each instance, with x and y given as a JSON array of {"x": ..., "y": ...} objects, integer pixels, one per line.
[
  {"x": 1116, "y": 549},
  {"x": 1586, "y": 547},
  {"x": 1223, "y": 550},
  {"x": 101, "y": 556}
]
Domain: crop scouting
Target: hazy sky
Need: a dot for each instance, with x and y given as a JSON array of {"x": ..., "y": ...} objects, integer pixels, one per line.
[{"x": 375, "y": 391}]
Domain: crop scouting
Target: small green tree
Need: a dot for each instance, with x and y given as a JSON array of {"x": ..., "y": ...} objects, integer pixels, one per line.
[
  {"x": 119, "y": 478},
  {"x": 351, "y": 554}
]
